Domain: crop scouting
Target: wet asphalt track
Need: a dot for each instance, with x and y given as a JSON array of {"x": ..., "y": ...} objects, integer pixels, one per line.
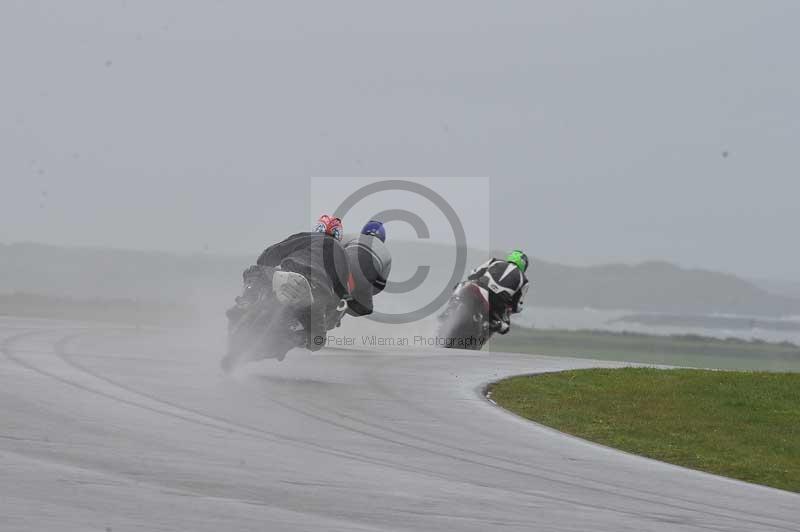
[{"x": 109, "y": 429}]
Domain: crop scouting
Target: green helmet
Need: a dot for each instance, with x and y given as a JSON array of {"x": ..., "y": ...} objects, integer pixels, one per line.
[{"x": 519, "y": 258}]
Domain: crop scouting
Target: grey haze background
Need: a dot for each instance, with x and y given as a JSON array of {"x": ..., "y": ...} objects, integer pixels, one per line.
[{"x": 192, "y": 125}]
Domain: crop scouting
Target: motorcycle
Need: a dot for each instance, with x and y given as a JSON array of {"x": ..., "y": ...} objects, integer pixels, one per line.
[
  {"x": 261, "y": 327},
  {"x": 466, "y": 321}
]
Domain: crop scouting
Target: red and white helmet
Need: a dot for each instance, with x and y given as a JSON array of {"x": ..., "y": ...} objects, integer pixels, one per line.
[{"x": 330, "y": 225}]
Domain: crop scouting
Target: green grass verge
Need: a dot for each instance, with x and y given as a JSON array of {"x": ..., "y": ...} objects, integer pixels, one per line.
[
  {"x": 684, "y": 350},
  {"x": 743, "y": 425}
]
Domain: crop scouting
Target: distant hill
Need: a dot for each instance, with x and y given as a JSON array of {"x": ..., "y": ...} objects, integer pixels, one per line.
[
  {"x": 779, "y": 287},
  {"x": 212, "y": 281},
  {"x": 88, "y": 273},
  {"x": 108, "y": 310},
  {"x": 656, "y": 287}
]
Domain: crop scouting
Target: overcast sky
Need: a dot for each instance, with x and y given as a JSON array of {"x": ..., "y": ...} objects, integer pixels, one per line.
[{"x": 611, "y": 131}]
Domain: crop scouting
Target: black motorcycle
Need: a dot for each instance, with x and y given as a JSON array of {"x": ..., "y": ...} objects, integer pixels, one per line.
[
  {"x": 260, "y": 326},
  {"x": 465, "y": 323}
]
